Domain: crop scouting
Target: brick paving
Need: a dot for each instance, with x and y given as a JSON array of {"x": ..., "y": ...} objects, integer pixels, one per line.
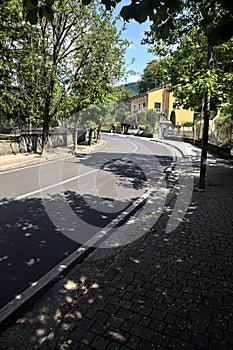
[{"x": 163, "y": 291}]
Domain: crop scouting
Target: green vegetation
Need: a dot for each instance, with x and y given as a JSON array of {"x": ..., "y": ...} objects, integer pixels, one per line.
[
  {"x": 166, "y": 15},
  {"x": 151, "y": 77},
  {"x": 173, "y": 118},
  {"x": 133, "y": 87},
  {"x": 148, "y": 119},
  {"x": 58, "y": 67}
]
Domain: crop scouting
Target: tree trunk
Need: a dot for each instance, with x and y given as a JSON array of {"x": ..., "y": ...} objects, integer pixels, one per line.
[
  {"x": 30, "y": 118},
  {"x": 98, "y": 134},
  {"x": 76, "y": 131},
  {"x": 45, "y": 136},
  {"x": 90, "y": 137},
  {"x": 46, "y": 121},
  {"x": 202, "y": 181},
  {"x": 204, "y": 144}
]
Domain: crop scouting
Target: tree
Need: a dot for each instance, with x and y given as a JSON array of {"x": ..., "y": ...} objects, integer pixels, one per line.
[
  {"x": 122, "y": 103},
  {"x": 70, "y": 62},
  {"x": 187, "y": 47},
  {"x": 103, "y": 68},
  {"x": 150, "y": 78},
  {"x": 173, "y": 118},
  {"x": 190, "y": 83},
  {"x": 165, "y": 14},
  {"x": 12, "y": 104},
  {"x": 21, "y": 68},
  {"x": 149, "y": 119}
]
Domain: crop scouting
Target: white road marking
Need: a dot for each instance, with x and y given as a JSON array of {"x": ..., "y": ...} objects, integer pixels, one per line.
[
  {"x": 51, "y": 186},
  {"x": 37, "y": 286},
  {"x": 49, "y": 161},
  {"x": 35, "y": 165}
]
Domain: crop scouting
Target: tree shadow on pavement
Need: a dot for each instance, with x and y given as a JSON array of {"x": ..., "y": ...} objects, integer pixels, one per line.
[{"x": 30, "y": 240}]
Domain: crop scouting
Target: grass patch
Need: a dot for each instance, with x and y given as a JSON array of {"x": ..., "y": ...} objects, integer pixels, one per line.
[{"x": 106, "y": 128}]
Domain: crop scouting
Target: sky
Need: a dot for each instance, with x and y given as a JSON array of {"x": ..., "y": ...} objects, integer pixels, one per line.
[{"x": 134, "y": 33}]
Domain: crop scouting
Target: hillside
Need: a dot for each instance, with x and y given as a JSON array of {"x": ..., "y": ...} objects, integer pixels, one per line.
[{"x": 133, "y": 87}]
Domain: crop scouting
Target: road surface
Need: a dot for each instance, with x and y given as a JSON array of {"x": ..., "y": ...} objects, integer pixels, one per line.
[{"x": 51, "y": 209}]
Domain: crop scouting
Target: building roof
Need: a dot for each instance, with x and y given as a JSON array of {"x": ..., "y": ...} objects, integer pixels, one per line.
[{"x": 147, "y": 92}]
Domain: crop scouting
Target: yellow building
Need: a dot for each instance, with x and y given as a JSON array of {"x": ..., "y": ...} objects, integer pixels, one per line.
[{"x": 160, "y": 100}]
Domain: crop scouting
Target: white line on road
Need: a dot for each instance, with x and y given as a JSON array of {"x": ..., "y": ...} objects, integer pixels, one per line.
[
  {"x": 65, "y": 181},
  {"x": 36, "y": 165},
  {"x": 41, "y": 162},
  {"x": 37, "y": 286},
  {"x": 59, "y": 183},
  {"x": 52, "y": 186}
]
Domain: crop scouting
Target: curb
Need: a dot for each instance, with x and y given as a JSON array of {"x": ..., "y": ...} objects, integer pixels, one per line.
[
  {"x": 169, "y": 144},
  {"x": 48, "y": 157},
  {"x": 229, "y": 162},
  {"x": 154, "y": 140}
]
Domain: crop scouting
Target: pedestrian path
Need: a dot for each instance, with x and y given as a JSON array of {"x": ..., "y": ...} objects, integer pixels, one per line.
[
  {"x": 163, "y": 291},
  {"x": 12, "y": 161}
]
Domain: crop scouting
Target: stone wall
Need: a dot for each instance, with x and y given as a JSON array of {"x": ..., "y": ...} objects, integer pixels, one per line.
[
  {"x": 223, "y": 152},
  {"x": 32, "y": 142},
  {"x": 9, "y": 147}
]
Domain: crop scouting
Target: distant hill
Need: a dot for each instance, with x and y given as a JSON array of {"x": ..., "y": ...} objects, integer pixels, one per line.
[{"x": 133, "y": 87}]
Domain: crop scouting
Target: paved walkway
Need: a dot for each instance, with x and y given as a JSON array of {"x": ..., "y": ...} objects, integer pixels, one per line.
[
  {"x": 164, "y": 291},
  {"x": 24, "y": 159}
]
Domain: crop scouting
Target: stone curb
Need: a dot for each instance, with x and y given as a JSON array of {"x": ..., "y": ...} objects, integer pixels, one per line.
[{"x": 48, "y": 157}]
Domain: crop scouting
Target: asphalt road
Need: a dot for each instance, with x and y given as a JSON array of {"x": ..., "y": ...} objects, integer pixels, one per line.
[{"x": 51, "y": 209}]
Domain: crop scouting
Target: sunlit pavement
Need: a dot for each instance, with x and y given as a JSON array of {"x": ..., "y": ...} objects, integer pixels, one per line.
[
  {"x": 163, "y": 291},
  {"x": 14, "y": 161}
]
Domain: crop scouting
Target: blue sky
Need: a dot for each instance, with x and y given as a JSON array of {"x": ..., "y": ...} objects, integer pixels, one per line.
[{"x": 134, "y": 33}]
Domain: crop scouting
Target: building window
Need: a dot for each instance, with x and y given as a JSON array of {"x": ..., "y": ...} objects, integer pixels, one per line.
[
  {"x": 157, "y": 106},
  {"x": 174, "y": 105},
  {"x": 134, "y": 107},
  {"x": 144, "y": 105},
  {"x": 139, "y": 106}
]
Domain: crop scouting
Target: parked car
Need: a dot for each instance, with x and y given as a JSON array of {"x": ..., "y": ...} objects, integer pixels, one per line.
[
  {"x": 141, "y": 132},
  {"x": 132, "y": 131}
]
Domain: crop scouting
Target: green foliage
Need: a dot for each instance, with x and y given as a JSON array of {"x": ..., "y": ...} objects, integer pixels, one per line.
[
  {"x": 152, "y": 119},
  {"x": 141, "y": 117},
  {"x": 132, "y": 87},
  {"x": 167, "y": 16},
  {"x": 186, "y": 69},
  {"x": 187, "y": 124},
  {"x": 36, "y": 9},
  {"x": 226, "y": 115},
  {"x": 18, "y": 70},
  {"x": 148, "y": 118},
  {"x": 151, "y": 77},
  {"x": 59, "y": 67},
  {"x": 120, "y": 108}
]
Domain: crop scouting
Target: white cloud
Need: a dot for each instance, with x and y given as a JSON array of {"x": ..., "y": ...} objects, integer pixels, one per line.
[
  {"x": 131, "y": 47},
  {"x": 133, "y": 78}
]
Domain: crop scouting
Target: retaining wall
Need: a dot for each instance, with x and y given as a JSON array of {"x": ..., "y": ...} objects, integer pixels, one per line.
[
  {"x": 32, "y": 142},
  {"x": 224, "y": 152}
]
